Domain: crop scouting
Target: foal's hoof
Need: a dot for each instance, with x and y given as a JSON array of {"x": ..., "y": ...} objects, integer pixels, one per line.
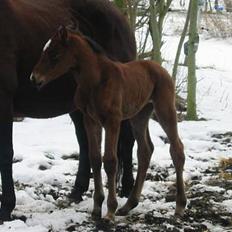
[
  {"x": 96, "y": 213},
  {"x": 126, "y": 208},
  {"x": 179, "y": 213},
  {"x": 76, "y": 196},
  {"x": 105, "y": 224},
  {"x": 180, "y": 208},
  {"x": 122, "y": 212},
  {"x": 96, "y": 216}
]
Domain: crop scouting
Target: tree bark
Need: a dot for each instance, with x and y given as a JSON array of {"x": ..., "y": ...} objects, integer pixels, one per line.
[
  {"x": 155, "y": 33},
  {"x": 180, "y": 45},
  {"x": 192, "y": 82}
]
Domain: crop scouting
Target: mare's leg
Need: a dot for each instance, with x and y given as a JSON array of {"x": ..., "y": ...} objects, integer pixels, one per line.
[
  {"x": 112, "y": 128},
  {"x": 145, "y": 149},
  {"x": 83, "y": 175},
  {"x": 125, "y": 148},
  {"x": 8, "y": 83},
  {"x": 166, "y": 114},
  {"x": 93, "y": 131}
]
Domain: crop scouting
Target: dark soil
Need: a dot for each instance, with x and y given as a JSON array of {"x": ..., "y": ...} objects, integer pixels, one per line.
[{"x": 203, "y": 212}]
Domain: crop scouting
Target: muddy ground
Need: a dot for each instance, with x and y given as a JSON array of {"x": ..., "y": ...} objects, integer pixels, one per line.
[{"x": 205, "y": 211}]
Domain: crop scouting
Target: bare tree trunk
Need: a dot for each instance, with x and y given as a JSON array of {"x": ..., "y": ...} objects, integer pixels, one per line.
[
  {"x": 155, "y": 33},
  {"x": 193, "y": 40},
  {"x": 180, "y": 45},
  {"x": 158, "y": 11}
]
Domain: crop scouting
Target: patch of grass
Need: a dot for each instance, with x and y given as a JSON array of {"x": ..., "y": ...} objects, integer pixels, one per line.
[{"x": 226, "y": 169}]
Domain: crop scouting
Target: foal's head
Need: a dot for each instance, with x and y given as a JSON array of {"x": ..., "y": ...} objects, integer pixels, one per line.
[{"x": 56, "y": 59}]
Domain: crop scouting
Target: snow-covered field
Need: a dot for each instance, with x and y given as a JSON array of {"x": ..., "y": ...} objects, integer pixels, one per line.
[{"x": 43, "y": 178}]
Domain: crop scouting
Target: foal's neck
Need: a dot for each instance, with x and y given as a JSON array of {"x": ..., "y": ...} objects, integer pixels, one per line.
[{"x": 87, "y": 63}]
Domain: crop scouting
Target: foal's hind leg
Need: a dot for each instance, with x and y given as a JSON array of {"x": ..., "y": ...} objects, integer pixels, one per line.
[
  {"x": 145, "y": 149},
  {"x": 166, "y": 114}
]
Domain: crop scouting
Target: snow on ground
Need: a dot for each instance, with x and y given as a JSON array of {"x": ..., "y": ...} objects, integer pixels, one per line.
[{"x": 43, "y": 178}]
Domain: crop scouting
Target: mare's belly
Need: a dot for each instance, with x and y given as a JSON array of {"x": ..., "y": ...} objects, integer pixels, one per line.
[{"x": 53, "y": 100}]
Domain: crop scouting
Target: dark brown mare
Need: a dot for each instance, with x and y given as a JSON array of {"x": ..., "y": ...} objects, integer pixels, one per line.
[
  {"x": 25, "y": 26},
  {"x": 107, "y": 93}
]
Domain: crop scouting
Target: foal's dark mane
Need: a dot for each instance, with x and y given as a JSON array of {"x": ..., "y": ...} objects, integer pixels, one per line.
[{"x": 96, "y": 47}]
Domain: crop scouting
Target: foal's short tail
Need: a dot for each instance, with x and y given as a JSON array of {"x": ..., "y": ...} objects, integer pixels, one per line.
[
  {"x": 163, "y": 98},
  {"x": 164, "y": 88}
]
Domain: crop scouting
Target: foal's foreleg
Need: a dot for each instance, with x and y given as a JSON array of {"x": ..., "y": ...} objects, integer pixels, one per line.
[
  {"x": 112, "y": 128},
  {"x": 145, "y": 149},
  {"x": 93, "y": 131},
  {"x": 166, "y": 114}
]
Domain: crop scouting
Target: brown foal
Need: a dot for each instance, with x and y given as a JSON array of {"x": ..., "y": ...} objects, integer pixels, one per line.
[{"x": 107, "y": 93}]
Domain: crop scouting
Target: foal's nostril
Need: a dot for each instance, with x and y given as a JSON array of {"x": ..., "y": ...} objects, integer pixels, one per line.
[
  {"x": 35, "y": 81},
  {"x": 32, "y": 78}
]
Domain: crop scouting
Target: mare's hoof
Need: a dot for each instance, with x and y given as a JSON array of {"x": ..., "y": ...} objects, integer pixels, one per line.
[
  {"x": 22, "y": 218},
  {"x": 125, "y": 192},
  {"x": 5, "y": 216},
  {"x": 127, "y": 186},
  {"x": 76, "y": 196}
]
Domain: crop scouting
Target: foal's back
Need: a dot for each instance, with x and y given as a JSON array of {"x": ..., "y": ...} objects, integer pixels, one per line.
[
  {"x": 136, "y": 83},
  {"x": 141, "y": 77}
]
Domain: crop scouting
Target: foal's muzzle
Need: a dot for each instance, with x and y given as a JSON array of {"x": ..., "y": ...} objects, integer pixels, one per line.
[{"x": 38, "y": 83}]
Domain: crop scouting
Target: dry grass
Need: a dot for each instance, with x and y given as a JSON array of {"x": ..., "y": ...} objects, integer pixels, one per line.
[
  {"x": 226, "y": 168},
  {"x": 217, "y": 24}
]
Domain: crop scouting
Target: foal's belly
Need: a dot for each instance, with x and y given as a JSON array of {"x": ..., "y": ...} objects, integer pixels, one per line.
[{"x": 134, "y": 103}]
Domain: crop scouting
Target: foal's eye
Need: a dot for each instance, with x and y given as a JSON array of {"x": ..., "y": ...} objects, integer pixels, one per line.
[{"x": 53, "y": 57}]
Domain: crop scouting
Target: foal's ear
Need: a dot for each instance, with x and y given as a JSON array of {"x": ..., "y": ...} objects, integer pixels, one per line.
[
  {"x": 73, "y": 26},
  {"x": 63, "y": 34}
]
